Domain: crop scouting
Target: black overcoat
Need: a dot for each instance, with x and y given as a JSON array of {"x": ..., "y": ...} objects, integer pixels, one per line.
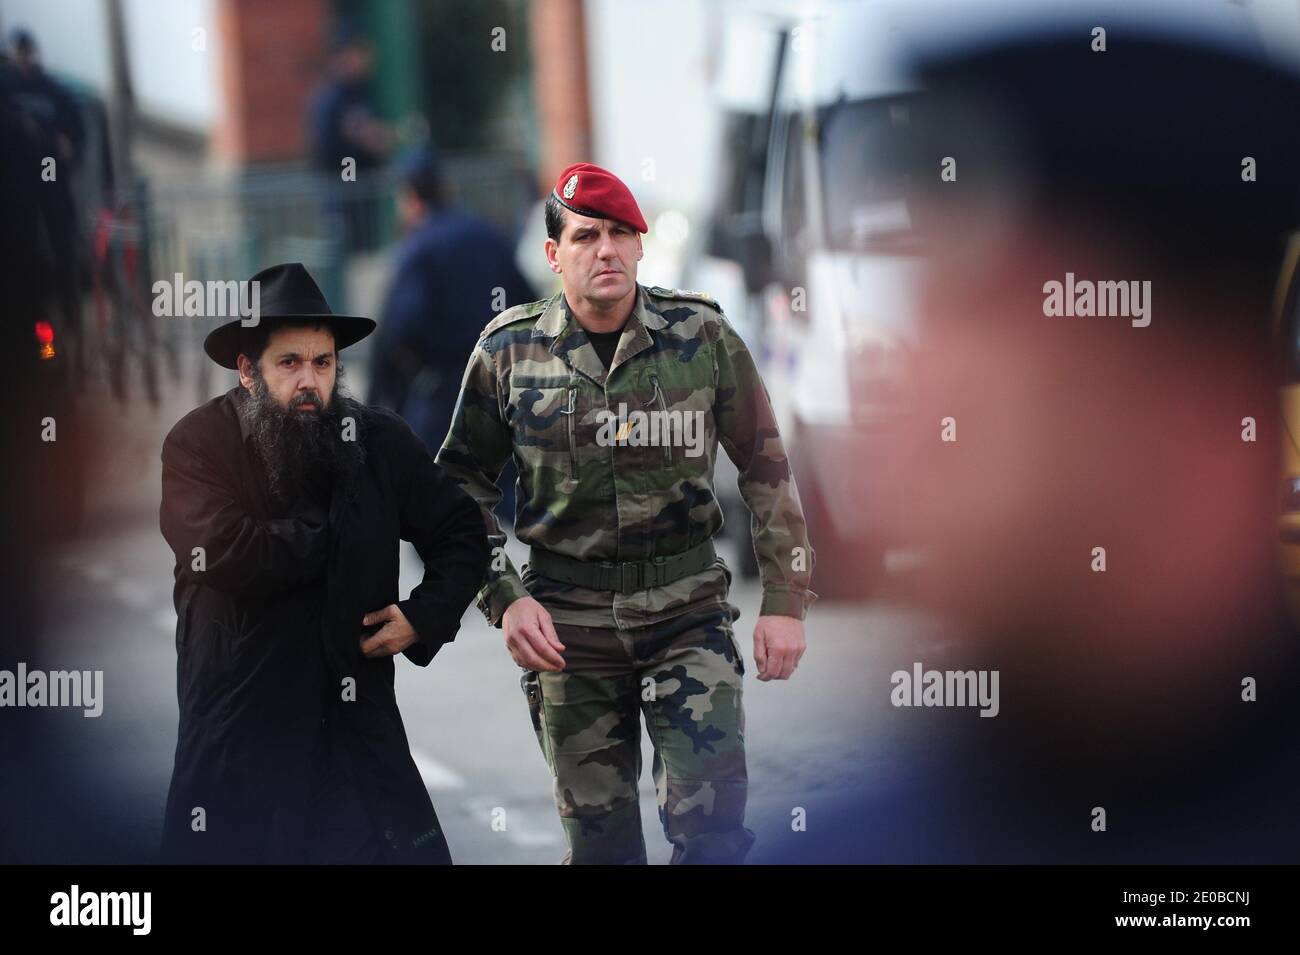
[{"x": 268, "y": 635}]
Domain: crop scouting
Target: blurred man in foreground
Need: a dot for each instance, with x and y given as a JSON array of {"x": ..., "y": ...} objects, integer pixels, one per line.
[{"x": 1096, "y": 481}]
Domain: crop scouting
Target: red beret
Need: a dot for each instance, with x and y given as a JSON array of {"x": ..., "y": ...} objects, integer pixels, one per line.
[{"x": 591, "y": 191}]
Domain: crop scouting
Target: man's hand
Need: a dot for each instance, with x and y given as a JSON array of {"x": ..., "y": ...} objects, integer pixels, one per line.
[
  {"x": 778, "y": 645},
  {"x": 393, "y": 637},
  {"x": 530, "y": 636}
]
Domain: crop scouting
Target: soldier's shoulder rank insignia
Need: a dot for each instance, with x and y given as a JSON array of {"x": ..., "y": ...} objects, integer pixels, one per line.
[
  {"x": 660, "y": 292},
  {"x": 516, "y": 313}
]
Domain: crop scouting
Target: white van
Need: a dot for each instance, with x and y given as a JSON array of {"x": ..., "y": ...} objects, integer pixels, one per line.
[{"x": 841, "y": 324}]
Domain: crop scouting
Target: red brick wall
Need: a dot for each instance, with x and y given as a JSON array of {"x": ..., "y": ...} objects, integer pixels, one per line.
[
  {"x": 272, "y": 56},
  {"x": 559, "y": 50}
]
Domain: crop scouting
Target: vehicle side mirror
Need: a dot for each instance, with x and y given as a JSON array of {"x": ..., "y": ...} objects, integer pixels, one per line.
[{"x": 740, "y": 238}]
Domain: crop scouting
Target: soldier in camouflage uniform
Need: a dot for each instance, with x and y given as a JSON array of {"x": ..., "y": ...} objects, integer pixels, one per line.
[{"x": 613, "y": 398}]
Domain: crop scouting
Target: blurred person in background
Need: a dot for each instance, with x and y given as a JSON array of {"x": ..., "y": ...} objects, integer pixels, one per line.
[
  {"x": 453, "y": 269},
  {"x": 51, "y": 122},
  {"x": 342, "y": 124}
]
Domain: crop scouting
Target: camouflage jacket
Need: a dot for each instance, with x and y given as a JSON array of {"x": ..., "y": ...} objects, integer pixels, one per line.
[{"x": 600, "y": 483}]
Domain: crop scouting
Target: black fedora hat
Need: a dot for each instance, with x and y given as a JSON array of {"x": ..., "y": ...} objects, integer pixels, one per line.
[{"x": 287, "y": 294}]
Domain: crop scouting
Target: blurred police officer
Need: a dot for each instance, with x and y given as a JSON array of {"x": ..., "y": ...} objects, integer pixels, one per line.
[
  {"x": 453, "y": 268},
  {"x": 612, "y": 398}
]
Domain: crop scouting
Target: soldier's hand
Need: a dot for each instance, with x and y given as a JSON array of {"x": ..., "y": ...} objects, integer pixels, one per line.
[
  {"x": 530, "y": 636},
  {"x": 778, "y": 646},
  {"x": 393, "y": 637}
]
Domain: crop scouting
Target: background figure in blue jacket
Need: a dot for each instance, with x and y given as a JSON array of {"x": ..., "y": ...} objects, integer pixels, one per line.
[
  {"x": 343, "y": 123},
  {"x": 454, "y": 272}
]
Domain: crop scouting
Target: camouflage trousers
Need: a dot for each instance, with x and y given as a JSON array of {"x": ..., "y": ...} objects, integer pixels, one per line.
[{"x": 684, "y": 675}]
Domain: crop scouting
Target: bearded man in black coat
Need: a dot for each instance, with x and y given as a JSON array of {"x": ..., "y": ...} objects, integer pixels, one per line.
[{"x": 284, "y": 501}]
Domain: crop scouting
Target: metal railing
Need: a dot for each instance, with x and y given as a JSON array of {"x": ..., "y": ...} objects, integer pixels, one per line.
[{"x": 231, "y": 229}]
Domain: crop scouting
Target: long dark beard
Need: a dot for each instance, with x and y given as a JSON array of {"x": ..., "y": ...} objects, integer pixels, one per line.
[{"x": 303, "y": 452}]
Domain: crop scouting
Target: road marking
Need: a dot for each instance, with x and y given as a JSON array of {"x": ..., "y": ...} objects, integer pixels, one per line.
[
  {"x": 435, "y": 775},
  {"x": 95, "y": 571},
  {"x": 133, "y": 593}
]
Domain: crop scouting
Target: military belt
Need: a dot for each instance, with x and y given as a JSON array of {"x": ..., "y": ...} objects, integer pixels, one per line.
[{"x": 627, "y": 577}]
